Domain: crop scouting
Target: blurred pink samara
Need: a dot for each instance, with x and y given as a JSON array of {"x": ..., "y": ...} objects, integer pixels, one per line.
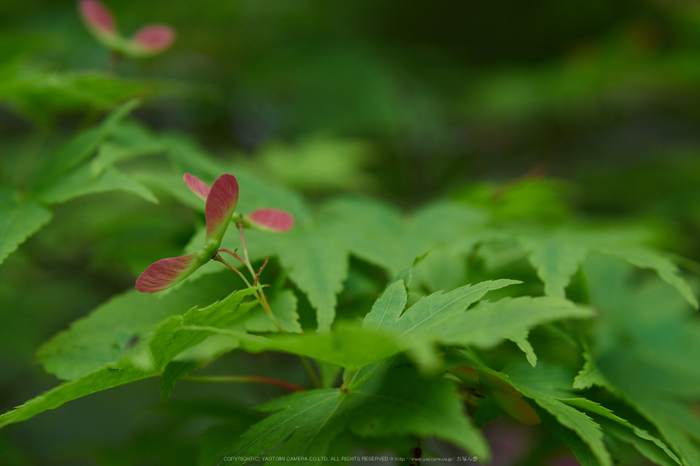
[
  {"x": 148, "y": 41},
  {"x": 154, "y": 38},
  {"x": 97, "y": 16}
]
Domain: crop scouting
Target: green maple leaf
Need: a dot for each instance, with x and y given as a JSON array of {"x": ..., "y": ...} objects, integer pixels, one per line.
[
  {"x": 385, "y": 399},
  {"x": 147, "y": 358},
  {"x": 284, "y": 307},
  {"x": 83, "y": 145},
  {"x": 112, "y": 375},
  {"x": 175, "y": 334},
  {"x": 318, "y": 266},
  {"x": 80, "y": 182},
  {"x": 558, "y": 254},
  {"x": 556, "y": 259},
  {"x": 314, "y": 262},
  {"x": 18, "y": 221},
  {"x": 379, "y": 234},
  {"x": 589, "y": 375},
  {"x": 439, "y": 318},
  {"x": 550, "y": 388},
  {"x": 316, "y": 252},
  {"x": 647, "y": 357},
  {"x": 63, "y": 178},
  {"x": 93, "y": 341}
]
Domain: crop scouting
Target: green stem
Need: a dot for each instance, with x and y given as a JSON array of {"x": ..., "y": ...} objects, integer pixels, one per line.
[
  {"x": 218, "y": 258},
  {"x": 256, "y": 277},
  {"x": 262, "y": 299},
  {"x": 347, "y": 380},
  {"x": 244, "y": 379},
  {"x": 259, "y": 295},
  {"x": 245, "y": 250}
]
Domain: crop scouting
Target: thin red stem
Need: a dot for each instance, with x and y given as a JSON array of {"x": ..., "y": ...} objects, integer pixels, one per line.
[
  {"x": 218, "y": 258},
  {"x": 233, "y": 254},
  {"x": 259, "y": 295},
  {"x": 257, "y": 276}
]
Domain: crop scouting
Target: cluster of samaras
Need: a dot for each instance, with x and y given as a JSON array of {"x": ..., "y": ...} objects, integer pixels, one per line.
[{"x": 221, "y": 200}]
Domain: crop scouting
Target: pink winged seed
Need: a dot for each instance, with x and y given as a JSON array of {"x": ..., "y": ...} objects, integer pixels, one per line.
[
  {"x": 221, "y": 202},
  {"x": 166, "y": 272},
  {"x": 155, "y": 37},
  {"x": 97, "y": 15},
  {"x": 271, "y": 219},
  {"x": 197, "y": 186}
]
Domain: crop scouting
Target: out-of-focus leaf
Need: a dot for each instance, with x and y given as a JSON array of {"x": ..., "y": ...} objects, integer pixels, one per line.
[
  {"x": 92, "y": 342},
  {"x": 171, "y": 337},
  {"x": 638, "y": 439},
  {"x": 284, "y": 308},
  {"x": 439, "y": 318},
  {"x": 556, "y": 260},
  {"x": 112, "y": 375},
  {"x": 83, "y": 145},
  {"x": 520, "y": 338},
  {"x": 557, "y": 256},
  {"x": 174, "y": 371},
  {"x": 634, "y": 339},
  {"x": 378, "y": 233},
  {"x": 316, "y": 264},
  {"x": 662, "y": 265},
  {"x": 589, "y": 375},
  {"x": 39, "y": 94},
  {"x": 536, "y": 386},
  {"x": 530, "y": 198},
  {"x": 646, "y": 356},
  {"x": 592, "y": 407},
  {"x": 381, "y": 399},
  {"x": 319, "y": 164},
  {"x": 111, "y": 153},
  {"x": 18, "y": 221},
  {"x": 81, "y": 181}
]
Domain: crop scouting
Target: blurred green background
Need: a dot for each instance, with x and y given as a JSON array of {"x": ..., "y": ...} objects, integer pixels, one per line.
[{"x": 406, "y": 100}]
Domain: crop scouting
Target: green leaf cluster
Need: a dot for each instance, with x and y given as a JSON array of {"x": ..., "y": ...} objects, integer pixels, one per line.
[{"x": 438, "y": 320}]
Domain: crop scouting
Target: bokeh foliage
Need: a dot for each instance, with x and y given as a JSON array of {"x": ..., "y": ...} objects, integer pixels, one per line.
[{"x": 399, "y": 100}]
